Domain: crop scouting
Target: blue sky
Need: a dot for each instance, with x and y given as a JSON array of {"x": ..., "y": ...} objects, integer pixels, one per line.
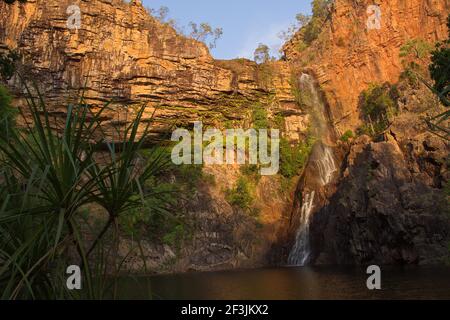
[{"x": 245, "y": 23}]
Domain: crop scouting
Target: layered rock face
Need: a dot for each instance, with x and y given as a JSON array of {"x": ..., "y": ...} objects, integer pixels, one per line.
[
  {"x": 389, "y": 206},
  {"x": 122, "y": 54},
  {"x": 381, "y": 213},
  {"x": 222, "y": 237},
  {"x": 385, "y": 203},
  {"x": 348, "y": 56}
]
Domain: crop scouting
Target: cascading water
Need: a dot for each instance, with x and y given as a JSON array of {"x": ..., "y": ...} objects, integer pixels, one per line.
[
  {"x": 300, "y": 251},
  {"x": 322, "y": 163},
  {"x": 326, "y": 165}
]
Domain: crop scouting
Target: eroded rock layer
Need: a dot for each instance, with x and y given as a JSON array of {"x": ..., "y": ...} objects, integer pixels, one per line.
[
  {"x": 348, "y": 56},
  {"x": 122, "y": 54},
  {"x": 385, "y": 203},
  {"x": 390, "y": 205}
]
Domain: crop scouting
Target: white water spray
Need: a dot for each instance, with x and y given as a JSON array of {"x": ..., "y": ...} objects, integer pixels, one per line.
[
  {"x": 301, "y": 251},
  {"x": 325, "y": 166}
]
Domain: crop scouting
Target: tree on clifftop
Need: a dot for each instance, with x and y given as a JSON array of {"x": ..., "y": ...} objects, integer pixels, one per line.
[
  {"x": 203, "y": 31},
  {"x": 262, "y": 54},
  {"x": 309, "y": 26}
]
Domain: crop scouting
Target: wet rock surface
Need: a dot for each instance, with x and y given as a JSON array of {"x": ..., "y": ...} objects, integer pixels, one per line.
[
  {"x": 385, "y": 211},
  {"x": 347, "y": 56}
]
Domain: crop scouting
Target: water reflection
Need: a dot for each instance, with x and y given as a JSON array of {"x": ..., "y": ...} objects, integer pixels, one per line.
[{"x": 291, "y": 283}]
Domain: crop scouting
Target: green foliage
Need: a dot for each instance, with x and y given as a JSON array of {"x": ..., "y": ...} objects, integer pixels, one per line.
[
  {"x": 411, "y": 77},
  {"x": 47, "y": 180},
  {"x": 259, "y": 117},
  {"x": 7, "y": 113},
  {"x": 278, "y": 122},
  {"x": 309, "y": 26},
  {"x": 347, "y": 136},
  {"x": 293, "y": 157},
  {"x": 379, "y": 105},
  {"x": 413, "y": 55},
  {"x": 286, "y": 184},
  {"x": 415, "y": 49},
  {"x": 262, "y": 54},
  {"x": 440, "y": 73},
  {"x": 203, "y": 31},
  {"x": 301, "y": 21},
  {"x": 241, "y": 195},
  {"x": 265, "y": 74},
  {"x": 251, "y": 171},
  {"x": 159, "y": 218},
  {"x": 440, "y": 64},
  {"x": 165, "y": 225},
  {"x": 187, "y": 177},
  {"x": 321, "y": 11},
  {"x": 175, "y": 237},
  {"x": 190, "y": 175},
  {"x": 153, "y": 212}
]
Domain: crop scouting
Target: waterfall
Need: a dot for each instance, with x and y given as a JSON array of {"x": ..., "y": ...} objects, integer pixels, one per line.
[
  {"x": 315, "y": 106},
  {"x": 300, "y": 252},
  {"x": 322, "y": 167},
  {"x": 326, "y": 165}
]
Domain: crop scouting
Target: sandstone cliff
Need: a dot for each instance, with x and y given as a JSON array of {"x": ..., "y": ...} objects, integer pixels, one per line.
[
  {"x": 347, "y": 56},
  {"x": 371, "y": 213},
  {"x": 388, "y": 204},
  {"x": 122, "y": 54}
]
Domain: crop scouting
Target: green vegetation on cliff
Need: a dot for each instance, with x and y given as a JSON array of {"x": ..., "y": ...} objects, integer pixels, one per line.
[
  {"x": 413, "y": 54},
  {"x": 440, "y": 73},
  {"x": 378, "y": 105},
  {"x": 260, "y": 117},
  {"x": 202, "y": 32},
  {"x": 309, "y": 27},
  {"x": 440, "y": 64},
  {"x": 293, "y": 157},
  {"x": 242, "y": 195},
  {"x": 320, "y": 12},
  {"x": 347, "y": 136}
]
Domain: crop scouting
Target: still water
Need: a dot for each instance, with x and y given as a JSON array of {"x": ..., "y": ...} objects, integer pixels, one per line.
[{"x": 291, "y": 284}]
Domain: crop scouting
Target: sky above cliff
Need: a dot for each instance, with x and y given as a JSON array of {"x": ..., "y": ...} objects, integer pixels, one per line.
[{"x": 245, "y": 23}]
